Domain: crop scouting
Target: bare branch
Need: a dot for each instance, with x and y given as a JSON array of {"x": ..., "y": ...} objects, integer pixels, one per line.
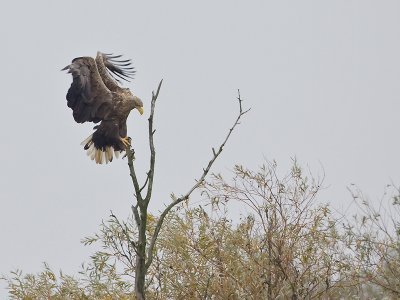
[
  {"x": 130, "y": 153},
  {"x": 195, "y": 186},
  {"x": 136, "y": 214},
  {"x": 150, "y": 174},
  {"x": 145, "y": 183}
]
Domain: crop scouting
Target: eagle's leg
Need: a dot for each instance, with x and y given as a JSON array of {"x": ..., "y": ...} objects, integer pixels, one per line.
[{"x": 126, "y": 141}]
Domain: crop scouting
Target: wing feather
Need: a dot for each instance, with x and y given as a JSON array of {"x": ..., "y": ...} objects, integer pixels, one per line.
[
  {"x": 88, "y": 96},
  {"x": 118, "y": 68}
]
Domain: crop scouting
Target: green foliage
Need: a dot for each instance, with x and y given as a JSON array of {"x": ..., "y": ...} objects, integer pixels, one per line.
[
  {"x": 285, "y": 246},
  {"x": 44, "y": 285},
  {"x": 373, "y": 238}
]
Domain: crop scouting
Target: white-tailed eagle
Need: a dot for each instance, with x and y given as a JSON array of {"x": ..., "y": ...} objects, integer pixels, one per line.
[{"x": 96, "y": 96}]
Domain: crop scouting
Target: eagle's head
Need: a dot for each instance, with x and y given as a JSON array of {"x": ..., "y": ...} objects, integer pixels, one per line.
[{"x": 138, "y": 104}]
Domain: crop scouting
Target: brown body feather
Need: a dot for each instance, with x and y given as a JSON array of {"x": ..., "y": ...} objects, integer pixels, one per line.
[{"x": 95, "y": 96}]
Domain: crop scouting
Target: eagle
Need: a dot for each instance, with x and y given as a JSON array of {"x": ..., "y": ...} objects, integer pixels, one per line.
[{"x": 96, "y": 96}]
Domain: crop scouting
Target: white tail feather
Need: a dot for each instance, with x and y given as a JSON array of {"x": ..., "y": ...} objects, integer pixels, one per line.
[
  {"x": 87, "y": 140},
  {"x": 109, "y": 154},
  {"x": 98, "y": 155},
  {"x": 90, "y": 151},
  {"x": 106, "y": 157}
]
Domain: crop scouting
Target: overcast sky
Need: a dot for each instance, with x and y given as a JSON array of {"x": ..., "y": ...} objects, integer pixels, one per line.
[{"x": 322, "y": 79}]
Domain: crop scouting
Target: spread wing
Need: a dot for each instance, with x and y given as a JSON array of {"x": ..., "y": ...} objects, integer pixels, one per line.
[{"x": 88, "y": 97}]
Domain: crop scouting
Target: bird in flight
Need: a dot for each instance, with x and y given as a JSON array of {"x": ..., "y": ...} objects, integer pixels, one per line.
[{"x": 96, "y": 96}]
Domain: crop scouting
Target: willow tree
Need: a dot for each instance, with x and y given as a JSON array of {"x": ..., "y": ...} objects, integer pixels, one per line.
[{"x": 140, "y": 247}]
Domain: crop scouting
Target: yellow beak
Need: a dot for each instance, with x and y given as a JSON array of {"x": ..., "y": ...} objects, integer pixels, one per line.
[{"x": 140, "y": 109}]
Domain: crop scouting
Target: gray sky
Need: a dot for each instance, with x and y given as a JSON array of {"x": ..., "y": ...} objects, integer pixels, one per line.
[{"x": 322, "y": 79}]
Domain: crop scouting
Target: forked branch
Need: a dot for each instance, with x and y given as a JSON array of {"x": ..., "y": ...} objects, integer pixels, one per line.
[
  {"x": 130, "y": 154},
  {"x": 194, "y": 187}
]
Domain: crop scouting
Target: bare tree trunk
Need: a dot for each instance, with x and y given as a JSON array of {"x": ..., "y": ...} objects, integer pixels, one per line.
[
  {"x": 140, "y": 272},
  {"x": 140, "y": 277},
  {"x": 142, "y": 204}
]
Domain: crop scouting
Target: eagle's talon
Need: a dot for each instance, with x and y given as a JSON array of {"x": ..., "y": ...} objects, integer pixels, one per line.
[{"x": 126, "y": 141}]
